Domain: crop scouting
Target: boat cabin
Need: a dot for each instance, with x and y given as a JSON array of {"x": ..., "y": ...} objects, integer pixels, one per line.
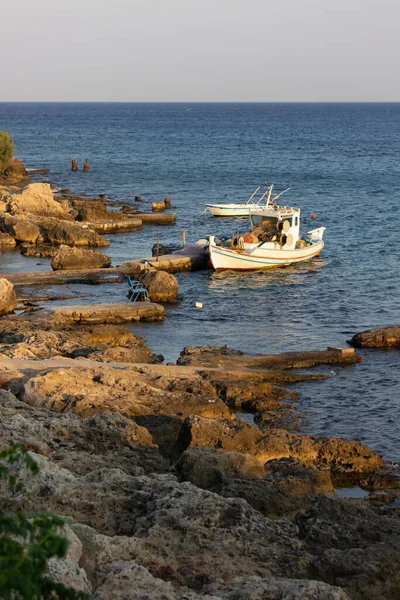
[{"x": 280, "y": 223}]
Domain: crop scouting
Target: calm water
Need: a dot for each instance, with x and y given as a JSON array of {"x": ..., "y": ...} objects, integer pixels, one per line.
[{"x": 342, "y": 163}]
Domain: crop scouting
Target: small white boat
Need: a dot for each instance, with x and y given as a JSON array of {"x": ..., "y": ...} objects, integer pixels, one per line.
[
  {"x": 274, "y": 242},
  {"x": 254, "y": 203}
]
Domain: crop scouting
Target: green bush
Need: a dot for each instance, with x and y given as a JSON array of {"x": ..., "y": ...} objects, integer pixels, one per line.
[
  {"x": 7, "y": 148},
  {"x": 27, "y": 541}
]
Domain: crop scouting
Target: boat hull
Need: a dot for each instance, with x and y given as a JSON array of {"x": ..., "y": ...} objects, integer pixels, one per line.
[
  {"x": 224, "y": 259},
  {"x": 233, "y": 210}
]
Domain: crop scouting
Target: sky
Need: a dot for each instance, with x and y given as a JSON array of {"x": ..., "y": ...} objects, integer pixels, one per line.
[{"x": 200, "y": 50}]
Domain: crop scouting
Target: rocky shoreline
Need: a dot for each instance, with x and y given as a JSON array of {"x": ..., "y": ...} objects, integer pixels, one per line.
[{"x": 168, "y": 491}]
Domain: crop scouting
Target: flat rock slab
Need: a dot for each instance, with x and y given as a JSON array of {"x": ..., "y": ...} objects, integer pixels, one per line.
[
  {"x": 118, "y": 312},
  {"x": 115, "y": 226},
  {"x": 157, "y": 219}
]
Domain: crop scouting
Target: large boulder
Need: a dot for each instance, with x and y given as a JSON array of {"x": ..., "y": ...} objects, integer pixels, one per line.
[
  {"x": 57, "y": 232},
  {"x": 76, "y": 258},
  {"x": 36, "y": 199},
  {"x": 382, "y": 337},
  {"x": 162, "y": 286},
  {"x": 20, "y": 227},
  {"x": 8, "y": 299}
]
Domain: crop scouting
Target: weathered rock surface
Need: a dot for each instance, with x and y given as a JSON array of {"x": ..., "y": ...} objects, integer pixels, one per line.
[
  {"x": 140, "y": 532},
  {"x": 108, "y": 312},
  {"x": 214, "y": 356},
  {"x": 20, "y": 227},
  {"x": 8, "y": 299},
  {"x": 15, "y": 175},
  {"x": 162, "y": 286},
  {"x": 7, "y": 241},
  {"x": 130, "y": 391},
  {"x": 383, "y": 337},
  {"x": 238, "y": 436},
  {"x": 58, "y": 231},
  {"x": 25, "y": 339},
  {"x": 76, "y": 258},
  {"x": 36, "y": 199}
]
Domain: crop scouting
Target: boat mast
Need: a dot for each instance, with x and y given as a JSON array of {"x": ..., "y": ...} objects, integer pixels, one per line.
[
  {"x": 278, "y": 196},
  {"x": 253, "y": 194}
]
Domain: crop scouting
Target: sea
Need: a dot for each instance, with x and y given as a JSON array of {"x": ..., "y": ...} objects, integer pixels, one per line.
[{"x": 342, "y": 164}]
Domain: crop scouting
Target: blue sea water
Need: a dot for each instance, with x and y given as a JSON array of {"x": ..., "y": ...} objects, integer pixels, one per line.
[{"x": 342, "y": 162}]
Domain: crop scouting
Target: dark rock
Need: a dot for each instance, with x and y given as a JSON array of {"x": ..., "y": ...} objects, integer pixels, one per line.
[
  {"x": 77, "y": 258},
  {"x": 383, "y": 337}
]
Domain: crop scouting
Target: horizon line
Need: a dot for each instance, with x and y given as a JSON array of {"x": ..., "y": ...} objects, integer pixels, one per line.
[{"x": 199, "y": 101}]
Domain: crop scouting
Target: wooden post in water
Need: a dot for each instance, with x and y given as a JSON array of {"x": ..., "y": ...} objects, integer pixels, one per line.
[
  {"x": 74, "y": 166},
  {"x": 86, "y": 166},
  {"x": 183, "y": 232},
  {"x": 167, "y": 202}
]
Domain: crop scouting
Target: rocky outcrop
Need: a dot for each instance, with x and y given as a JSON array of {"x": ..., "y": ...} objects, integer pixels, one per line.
[
  {"x": 238, "y": 436},
  {"x": 383, "y": 337},
  {"x": 24, "y": 339},
  {"x": 21, "y": 228},
  {"x": 130, "y": 392},
  {"x": 36, "y": 199},
  {"x": 8, "y": 299},
  {"x": 76, "y": 258},
  {"x": 162, "y": 286},
  {"x": 58, "y": 232},
  {"x": 35, "y": 229},
  {"x": 15, "y": 175},
  {"x": 7, "y": 241},
  {"x": 136, "y": 530}
]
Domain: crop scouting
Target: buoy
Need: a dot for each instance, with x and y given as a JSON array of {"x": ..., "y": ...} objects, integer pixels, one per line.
[
  {"x": 313, "y": 216},
  {"x": 199, "y": 305}
]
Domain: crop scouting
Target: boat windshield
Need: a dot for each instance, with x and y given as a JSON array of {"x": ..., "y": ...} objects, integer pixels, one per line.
[{"x": 258, "y": 219}]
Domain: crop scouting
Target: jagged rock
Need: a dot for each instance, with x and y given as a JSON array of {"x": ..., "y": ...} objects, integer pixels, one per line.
[
  {"x": 27, "y": 339},
  {"x": 57, "y": 232},
  {"x": 151, "y": 534},
  {"x": 76, "y": 258},
  {"x": 162, "y": 286},
  {"x": 7, "y": 241},
  {"x": 15, "y": 174},
  {"x": 80, "y": 445},
  {"x": 131, "y": 392},
  {"x": 238, "y": 436},
  {"x": 36, "y": 199},
  {"x": 67, "y": 570},
  {"x": 20, "y": 227},
  {"x": 8, "y": 299},
  {"x": 383, "y": 337}
]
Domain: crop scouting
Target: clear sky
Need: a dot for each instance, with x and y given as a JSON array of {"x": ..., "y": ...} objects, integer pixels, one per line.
[{"x": 200, "y": 50}]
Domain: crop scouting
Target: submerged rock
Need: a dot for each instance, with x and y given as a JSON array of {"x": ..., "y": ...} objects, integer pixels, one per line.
[{"x": 76, "y": 258}]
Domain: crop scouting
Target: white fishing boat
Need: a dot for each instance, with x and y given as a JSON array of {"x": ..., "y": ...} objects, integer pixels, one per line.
[
  {"x": 254, "y": 203},
  {"x": 275, "y": 241}
]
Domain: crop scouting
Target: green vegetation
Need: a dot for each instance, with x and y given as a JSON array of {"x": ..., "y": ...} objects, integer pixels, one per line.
[
  {"x": 27, "y": 541},
  {"x": 7, "y": 148}
]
